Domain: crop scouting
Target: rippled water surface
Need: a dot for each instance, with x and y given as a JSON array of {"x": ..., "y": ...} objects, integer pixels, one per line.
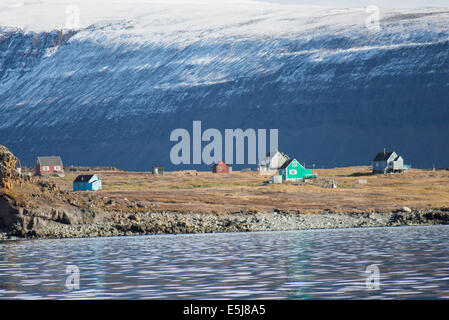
[{"x": 314, "y": 264}]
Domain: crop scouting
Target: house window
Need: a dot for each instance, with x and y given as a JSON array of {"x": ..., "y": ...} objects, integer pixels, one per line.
[
  {"x": 294, "y": 164},
  {"x": 218, "y": 168},
  {"x": 57, "y": 168},
  {"x": 292, "y": 172},
  {"x": 45, "y": 168}
]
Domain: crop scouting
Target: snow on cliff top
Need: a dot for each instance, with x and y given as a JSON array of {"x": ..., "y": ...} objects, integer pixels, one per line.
[
  {"x": 160, "y": 18},
  {"x": 39, "y": 15}
]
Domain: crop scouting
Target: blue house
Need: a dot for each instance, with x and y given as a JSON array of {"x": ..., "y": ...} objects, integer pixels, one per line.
[{"x": 89, "y": 182}]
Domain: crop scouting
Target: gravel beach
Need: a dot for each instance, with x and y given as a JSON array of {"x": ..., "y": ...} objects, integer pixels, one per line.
[{"x": 68, "y": 225}]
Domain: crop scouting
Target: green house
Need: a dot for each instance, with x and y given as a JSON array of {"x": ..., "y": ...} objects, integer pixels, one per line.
[{"x": 292, "y": 170}]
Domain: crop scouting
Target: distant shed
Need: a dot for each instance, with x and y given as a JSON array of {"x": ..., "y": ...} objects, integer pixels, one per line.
[
  {"x": 277, "y": 179},
  {"x": 158, "y": 170},
  {"x": 18, "y": 166},
  {"x": 221, "y": 167}
]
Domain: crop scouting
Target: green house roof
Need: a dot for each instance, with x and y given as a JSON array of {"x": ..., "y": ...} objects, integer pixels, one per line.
[{"x": 287, "y": 164}]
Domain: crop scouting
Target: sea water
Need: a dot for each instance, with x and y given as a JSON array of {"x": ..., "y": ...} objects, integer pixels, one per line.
[{"x": 366, "y": 263}]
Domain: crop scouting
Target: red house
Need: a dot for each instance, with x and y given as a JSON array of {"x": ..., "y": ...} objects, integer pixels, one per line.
[
  {"x": 221, "y": 167},
  {"x": 49, "y": 165}
]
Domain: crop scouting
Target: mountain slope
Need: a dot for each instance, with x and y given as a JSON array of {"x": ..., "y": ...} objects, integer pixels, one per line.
[{"x": 338, "y": 91}]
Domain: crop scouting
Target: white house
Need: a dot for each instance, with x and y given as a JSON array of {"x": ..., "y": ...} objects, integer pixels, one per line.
[
  {"x": 388, "y": 162},
  {"x": 272, "y": 162}
]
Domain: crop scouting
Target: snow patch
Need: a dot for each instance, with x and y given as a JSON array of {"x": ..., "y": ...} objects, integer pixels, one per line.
[{"x": 51, "y": 51}]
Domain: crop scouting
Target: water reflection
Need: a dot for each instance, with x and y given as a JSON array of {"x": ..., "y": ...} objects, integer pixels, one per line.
[{"x": 310, "y": 264}]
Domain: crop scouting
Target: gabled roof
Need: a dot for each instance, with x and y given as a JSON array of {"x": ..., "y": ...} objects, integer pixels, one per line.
[
  {"x": 273, "y": 153},
  {"x": 383, "y": 156},
  {"x": 50, "y": 161},
  {"x": 286, "y": 164},
  {"x": 85, "y": 178},
  {"x": 270, "y": 156}
]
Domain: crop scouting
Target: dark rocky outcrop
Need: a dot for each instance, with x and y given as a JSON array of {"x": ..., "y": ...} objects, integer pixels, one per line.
[
  {"x": 75, "y": 222},
  {"x": 9, "y": 174},
  {"x": 427, "y": 217}
]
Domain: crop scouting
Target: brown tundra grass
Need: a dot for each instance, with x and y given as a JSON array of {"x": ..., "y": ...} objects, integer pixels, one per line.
[{"x": 247, "y": 191}]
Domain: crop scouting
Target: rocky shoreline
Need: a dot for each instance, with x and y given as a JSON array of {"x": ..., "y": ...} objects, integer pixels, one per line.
[{"x": 63, "y": 225}]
